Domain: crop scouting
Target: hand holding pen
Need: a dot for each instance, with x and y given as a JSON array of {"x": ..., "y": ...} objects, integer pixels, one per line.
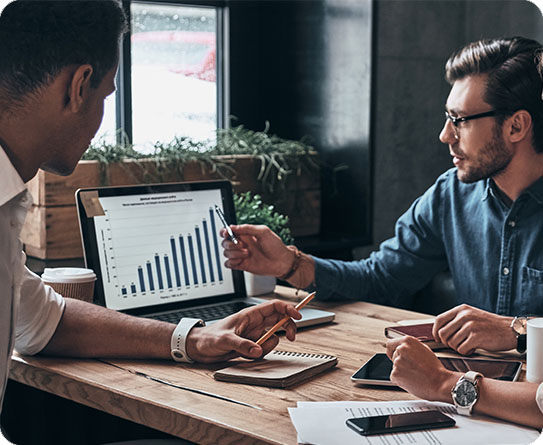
[{"x": 225, "y": 224}]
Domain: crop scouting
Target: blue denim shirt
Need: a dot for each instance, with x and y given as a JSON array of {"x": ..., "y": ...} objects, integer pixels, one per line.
[{"x": 495, "y": 253}]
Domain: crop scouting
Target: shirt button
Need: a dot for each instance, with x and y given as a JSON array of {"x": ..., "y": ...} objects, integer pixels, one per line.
[
  {"x": 512, "y": 223},
  {"x": 506, "y": 271},
  {"x": 13, "y": 223}
]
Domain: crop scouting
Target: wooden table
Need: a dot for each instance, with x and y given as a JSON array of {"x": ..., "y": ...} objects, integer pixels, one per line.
[{"x": 354, "y": 336}]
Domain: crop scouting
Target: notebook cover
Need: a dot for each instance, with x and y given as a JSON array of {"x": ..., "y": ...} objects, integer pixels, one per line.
[
  {"x": 279, "y": 369},
  {"x": 421, "y": 331}
]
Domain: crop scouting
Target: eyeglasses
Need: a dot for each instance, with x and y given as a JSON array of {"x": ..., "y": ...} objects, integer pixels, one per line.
[{"x": 456, "y": 120}]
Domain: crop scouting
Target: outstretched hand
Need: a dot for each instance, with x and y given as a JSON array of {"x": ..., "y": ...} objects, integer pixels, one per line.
[
  {"x": 259, "y": 251},
  {"x": 236, "y": 335}
]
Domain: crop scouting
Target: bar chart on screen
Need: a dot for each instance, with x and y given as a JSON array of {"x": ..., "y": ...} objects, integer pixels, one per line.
[{"x": 161, "y": 248}]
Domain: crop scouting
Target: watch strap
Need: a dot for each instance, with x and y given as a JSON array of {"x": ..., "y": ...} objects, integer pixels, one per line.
[
  {"x": 179, "y": 339},
  {"x": 521, "y": 343}
]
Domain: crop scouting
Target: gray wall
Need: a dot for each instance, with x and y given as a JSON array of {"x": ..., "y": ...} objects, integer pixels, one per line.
[{"x": 413, "y": 40}]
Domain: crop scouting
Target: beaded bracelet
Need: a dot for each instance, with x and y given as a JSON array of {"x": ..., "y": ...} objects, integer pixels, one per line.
[{"x": 295, "y": 263}]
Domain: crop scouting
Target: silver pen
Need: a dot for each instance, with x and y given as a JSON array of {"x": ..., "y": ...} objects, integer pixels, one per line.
[{"x": 226, "y": 226}]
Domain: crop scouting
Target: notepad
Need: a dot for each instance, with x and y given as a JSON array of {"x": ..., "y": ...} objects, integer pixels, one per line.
[{"x": 279, "y": 369}]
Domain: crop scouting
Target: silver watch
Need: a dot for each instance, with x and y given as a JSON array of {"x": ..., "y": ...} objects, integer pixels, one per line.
[{"x": 465, "y": 393}]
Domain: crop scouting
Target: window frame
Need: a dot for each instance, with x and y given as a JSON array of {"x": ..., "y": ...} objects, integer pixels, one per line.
[{"x": 123, "y": 96}]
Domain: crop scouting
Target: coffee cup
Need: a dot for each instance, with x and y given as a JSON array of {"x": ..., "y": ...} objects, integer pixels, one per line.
[
  {"x": 534, "y": 350},
  {"x": 71, "y": 282}
]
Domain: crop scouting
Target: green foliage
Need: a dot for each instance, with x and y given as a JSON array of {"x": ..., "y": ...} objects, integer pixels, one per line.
[
  {"x": 251, "y": 210},
  {"x": 279, "y": 157}
]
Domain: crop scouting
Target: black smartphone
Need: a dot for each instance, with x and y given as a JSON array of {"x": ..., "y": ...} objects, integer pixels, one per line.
[{"x": 395, "y": 423}]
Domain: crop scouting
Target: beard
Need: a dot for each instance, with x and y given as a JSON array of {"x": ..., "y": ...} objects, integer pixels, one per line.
[{"x": 492, "y": 160}]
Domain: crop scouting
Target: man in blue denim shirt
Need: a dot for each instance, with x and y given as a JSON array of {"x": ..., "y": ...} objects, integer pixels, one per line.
[{"x": 482, "y": 219}]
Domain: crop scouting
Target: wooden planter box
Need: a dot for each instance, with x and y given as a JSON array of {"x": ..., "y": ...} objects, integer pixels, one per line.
[{"x": 51, "y": 230}]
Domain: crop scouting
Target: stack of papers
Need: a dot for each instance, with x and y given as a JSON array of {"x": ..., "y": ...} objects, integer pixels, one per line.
[{"x": 323, "y": 423}]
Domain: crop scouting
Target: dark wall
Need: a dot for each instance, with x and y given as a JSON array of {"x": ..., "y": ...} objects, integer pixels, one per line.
[
  {"x": 413, "y": 40},
  {"x": 305, "y": 66}
]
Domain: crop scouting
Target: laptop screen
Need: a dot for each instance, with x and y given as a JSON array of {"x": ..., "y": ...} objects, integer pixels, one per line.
[{"x": 158, "y": 247}]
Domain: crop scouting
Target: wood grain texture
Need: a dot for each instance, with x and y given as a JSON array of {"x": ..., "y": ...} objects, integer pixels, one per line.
[{"x": 355, "y": 335}]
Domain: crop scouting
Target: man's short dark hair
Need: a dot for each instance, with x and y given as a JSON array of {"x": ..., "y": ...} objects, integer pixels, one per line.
[
  {"x": 38, "y": 38},
  {"x": 513, "y": 80}
]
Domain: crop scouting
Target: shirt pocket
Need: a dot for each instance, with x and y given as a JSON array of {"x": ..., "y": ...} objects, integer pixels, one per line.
[{"x": 532, "y": 290}]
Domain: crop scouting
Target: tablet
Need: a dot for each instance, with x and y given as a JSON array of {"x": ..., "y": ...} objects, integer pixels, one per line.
[{"x": 376, "y": 371}]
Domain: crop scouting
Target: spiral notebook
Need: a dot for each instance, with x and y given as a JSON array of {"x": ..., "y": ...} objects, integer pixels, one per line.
[{"x": 279, "y": 369}]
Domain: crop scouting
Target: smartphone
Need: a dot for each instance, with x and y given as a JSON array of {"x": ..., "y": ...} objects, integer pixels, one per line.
[
  {"x": 376, "y": 371},
  {"x": 395, "y": 423}
]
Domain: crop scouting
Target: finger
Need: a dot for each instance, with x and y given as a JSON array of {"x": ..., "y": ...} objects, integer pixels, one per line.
[
  {"x": 237, "y": 254},
  {"x": 251, "y": 230},
  {"x": 270, "y": 344},
  {"x": 233, "y": 264},
  {"x": 290, "y": 329},
  {"x": 242, "y": 346},
  {"x": 392, "y": 345},
  {"x": 441, "y": 321},
  {"x": 458, "y": 337},
  {"x": 447, "y": 332},
  {"x": 467, "y": 346}
]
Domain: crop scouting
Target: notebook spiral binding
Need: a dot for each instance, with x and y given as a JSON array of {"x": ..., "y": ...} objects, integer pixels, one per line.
[{"x": 302, "y": 354}]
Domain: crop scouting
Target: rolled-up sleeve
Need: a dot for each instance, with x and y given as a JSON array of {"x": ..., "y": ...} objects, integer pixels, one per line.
[{"x": 39, "y": 313}]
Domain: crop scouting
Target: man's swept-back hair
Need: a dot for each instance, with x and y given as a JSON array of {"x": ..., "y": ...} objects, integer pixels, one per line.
[
  {"x": 38, "y": 38},
  {"x": 513, "y": 80}
]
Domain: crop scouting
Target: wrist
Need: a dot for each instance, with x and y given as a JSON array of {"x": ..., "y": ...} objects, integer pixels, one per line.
[
  {"x": 305, "y": 274},
  {"x": 293, "y": 262},
  {"x": 183, "y": 345},
  {"x": 447, "y": 384}
]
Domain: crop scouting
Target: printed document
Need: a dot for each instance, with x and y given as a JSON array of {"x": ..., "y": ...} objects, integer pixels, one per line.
[{"x": 323, "y": 423}]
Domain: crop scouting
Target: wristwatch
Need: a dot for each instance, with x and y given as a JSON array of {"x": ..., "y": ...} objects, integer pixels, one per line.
[
  {"x": 519, "y": 328},
  {"x": 179, "y": 339},
  {"x": 465, "y": 393}
]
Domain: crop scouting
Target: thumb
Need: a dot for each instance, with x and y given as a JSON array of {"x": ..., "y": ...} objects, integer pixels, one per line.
[
  {"x": 243, "y": 346},
  {"x": 251, "y": 230}
]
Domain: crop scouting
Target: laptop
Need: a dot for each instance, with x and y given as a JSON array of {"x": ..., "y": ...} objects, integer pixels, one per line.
[{"x": 157, "y": 252}]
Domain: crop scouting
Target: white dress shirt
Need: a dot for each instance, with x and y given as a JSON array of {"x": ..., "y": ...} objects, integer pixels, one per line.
[{"x": 29, "y": 310}]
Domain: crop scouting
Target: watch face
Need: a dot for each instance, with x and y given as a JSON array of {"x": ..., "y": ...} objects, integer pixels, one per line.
[
  {"x": 519, "y": 325},
  {"x": 465, "y": 393}
]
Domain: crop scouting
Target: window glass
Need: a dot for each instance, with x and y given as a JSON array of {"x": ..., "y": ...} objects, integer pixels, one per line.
[{"x": 174, "y": 89}]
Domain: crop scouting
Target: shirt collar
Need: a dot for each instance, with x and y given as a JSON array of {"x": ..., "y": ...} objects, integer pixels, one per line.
[
  {"x": 535, "y": 190},
  {"x": 11, "y": 183}
]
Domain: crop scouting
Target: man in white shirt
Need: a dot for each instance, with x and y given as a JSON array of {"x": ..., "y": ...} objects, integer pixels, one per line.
[{"x": 58, "y": 64}]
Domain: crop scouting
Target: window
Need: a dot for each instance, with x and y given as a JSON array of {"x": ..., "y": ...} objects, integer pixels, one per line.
[{"x": 169, "y": 83}]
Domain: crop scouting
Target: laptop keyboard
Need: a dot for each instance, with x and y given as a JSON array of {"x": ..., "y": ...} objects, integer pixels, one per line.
[{"x": 207, "y": 313}]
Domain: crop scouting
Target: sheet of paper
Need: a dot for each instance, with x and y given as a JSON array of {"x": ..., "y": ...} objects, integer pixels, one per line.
[{"x": 323, "y": 423}]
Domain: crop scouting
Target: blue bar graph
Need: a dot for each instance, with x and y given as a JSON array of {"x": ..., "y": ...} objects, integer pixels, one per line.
[
  {"x": 150, "y": 275},
  {"x": 168, "y": 273},
  {"x": 184, "y": 260},
  {"x": 215, "y": 242},
  {"x": 200, "y": 254},
  {"x": 140, "y": 275},
  {"x": 175, "y": 262},
  {"x": 200, "y": 260},
  {"x": 208, "y": 249},
  {"x": 159, "y": 272},
  {"x": 192, "y": 261}
]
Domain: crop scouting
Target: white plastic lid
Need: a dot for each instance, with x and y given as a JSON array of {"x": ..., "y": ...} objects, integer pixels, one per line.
[{"x": 68, "y": 275}]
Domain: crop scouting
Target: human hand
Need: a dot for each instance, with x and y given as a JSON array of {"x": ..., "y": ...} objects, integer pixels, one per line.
[
  {"x": 417, "y": 370},
  {"x": 259, "y": 251},
  {"x": 465, "y": 328},
  {"x": 236, "y": 335}
]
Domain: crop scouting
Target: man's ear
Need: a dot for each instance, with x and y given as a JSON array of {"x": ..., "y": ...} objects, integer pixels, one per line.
[
  {"x": 78, "y": 87},
  {"x": 519, "y": 126}
]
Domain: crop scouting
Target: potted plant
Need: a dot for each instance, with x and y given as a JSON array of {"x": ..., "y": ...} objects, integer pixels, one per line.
[
  {"x": 250, "y": 209},
  {"x": 285, "y": 172}
]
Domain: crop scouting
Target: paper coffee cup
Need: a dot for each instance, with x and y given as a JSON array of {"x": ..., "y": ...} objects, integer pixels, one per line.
[
  {"x": 71, "y": 282},
  {"x": 534, "y": 350}
]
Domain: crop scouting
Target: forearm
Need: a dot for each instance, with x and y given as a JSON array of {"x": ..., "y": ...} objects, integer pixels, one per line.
[
  {"x": 87, "y": 330},
  {"x": 510, "y": 401}
]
